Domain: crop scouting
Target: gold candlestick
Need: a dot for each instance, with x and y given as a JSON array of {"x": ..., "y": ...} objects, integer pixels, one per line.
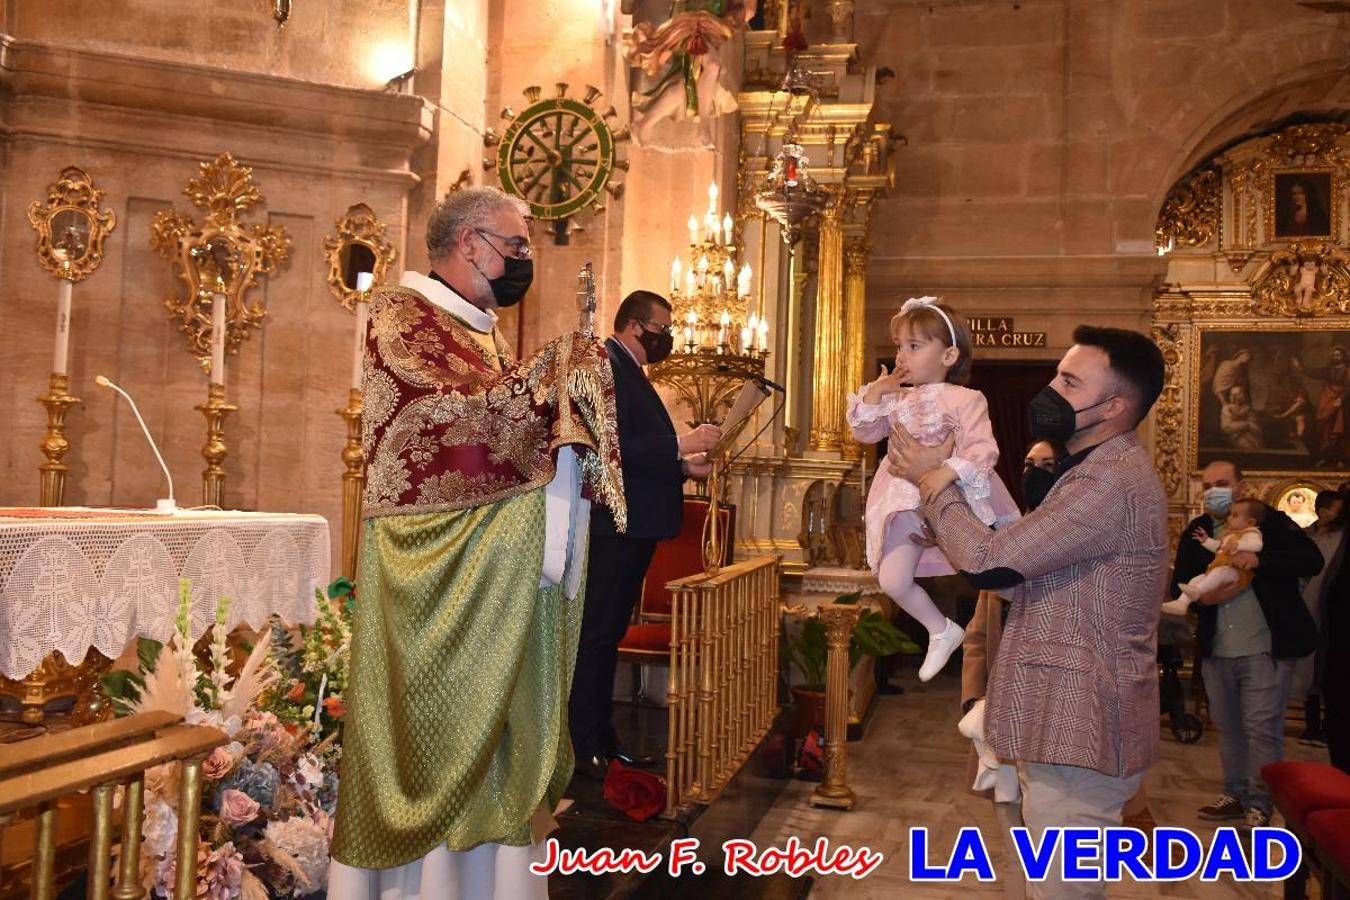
[
  {"x": 54, "y": 444},
  {"x": 839, "y": 619},
  {"x": 353, "y": 482},
  {"x": 213, "y": 476}
]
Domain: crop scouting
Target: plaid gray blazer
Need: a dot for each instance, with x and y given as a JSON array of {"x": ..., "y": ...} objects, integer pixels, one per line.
[{"x": 1075, "y": 681}]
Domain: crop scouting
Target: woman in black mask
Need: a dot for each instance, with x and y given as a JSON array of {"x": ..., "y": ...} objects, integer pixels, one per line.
[{"x": 1038, "y": 472}]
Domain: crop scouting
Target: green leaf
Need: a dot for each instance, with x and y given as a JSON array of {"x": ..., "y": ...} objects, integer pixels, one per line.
[
  {"x": 339, "y": 588},
  {"x": 147, "y": 651}
]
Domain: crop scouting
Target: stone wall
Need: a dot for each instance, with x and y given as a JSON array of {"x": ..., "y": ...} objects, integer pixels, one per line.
[{"x": 1043, "y": 135}]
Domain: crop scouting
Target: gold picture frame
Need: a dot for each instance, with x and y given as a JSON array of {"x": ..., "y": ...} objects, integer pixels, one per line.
[
  {"x": 1303, "y": 204},
  {"x": 359, "y": 246},
  {"x": 1263, "y": 394},
  {"x": 71, "y": 229}
]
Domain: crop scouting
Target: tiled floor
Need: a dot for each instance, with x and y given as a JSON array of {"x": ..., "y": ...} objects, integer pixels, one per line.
[{"x": 910, "y": 770}]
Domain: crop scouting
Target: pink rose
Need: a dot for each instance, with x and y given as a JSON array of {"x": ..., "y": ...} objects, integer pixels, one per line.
[
  {"x": 218, "y": 764},
  {"x": 237, "y": 808}
]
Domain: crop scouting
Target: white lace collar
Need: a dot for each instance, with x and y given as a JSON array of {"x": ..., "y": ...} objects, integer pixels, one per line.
[{"x": 441, "y": 296}]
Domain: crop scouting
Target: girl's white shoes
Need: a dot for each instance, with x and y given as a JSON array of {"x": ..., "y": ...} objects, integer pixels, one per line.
[{"x": 940, "y": 649}]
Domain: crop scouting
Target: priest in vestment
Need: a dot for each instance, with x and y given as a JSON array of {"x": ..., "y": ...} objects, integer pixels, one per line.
[{"x": 480, "y": 470}]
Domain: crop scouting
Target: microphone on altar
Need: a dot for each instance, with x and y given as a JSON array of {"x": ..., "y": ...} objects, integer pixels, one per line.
[{"x": 164, "y": 504}]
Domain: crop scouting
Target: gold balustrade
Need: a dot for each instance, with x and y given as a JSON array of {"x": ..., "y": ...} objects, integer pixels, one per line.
[
  {"x": 36, "y": 774},
  {"x": 723, "y": 676}
]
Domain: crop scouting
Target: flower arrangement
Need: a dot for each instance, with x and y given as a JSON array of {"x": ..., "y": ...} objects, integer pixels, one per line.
[{"x": 269, "y": 795}]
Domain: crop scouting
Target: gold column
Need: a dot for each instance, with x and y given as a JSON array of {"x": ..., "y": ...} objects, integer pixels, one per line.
[
  {"x": 100, "y": 843},
  {"x": 52, "y": 484},
  {"x": 856, "y": 250},
  {"x": 353, "y": 482},
  {"x": 215, "y": 409},
  {"x": 834, "y": 790},
  {"x": 189, "y": 816},
  {"x": 827, "y": 389},
  {"x": 129, "y": 874},
  {"x": 44, "y": 853}
]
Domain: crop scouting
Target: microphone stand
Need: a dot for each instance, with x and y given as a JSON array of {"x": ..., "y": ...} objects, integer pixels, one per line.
[{"x": 215, "y": 409}]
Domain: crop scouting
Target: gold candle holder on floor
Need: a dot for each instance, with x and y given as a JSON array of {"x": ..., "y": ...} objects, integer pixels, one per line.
[
  {"x": 353, "y": 482},
  {"x": 834, "y": 791},
  {"x": 215, "y": 409},
  {"x": 54, "y": 445}
]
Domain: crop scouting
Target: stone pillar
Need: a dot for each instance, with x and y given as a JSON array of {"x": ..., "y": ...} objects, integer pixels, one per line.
[
  {"x": 827, "y": 393},
  {"x": 856, "y": 371}
]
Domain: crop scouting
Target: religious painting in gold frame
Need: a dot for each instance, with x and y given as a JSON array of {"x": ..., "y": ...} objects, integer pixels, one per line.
[
  {"x": 1268, "y": 397},
  {"x": 1303, "y": 203}
]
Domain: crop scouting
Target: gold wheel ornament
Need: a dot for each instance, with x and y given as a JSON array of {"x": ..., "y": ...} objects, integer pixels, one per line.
[
  {"x": 221, "y": 255},
  {"x": 559, "y": 155}
]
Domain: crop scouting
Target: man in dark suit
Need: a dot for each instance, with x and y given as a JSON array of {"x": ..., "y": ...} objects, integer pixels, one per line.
[
  {"x": 655, "y": 464},
  {"x": 1250, "y": 638}
]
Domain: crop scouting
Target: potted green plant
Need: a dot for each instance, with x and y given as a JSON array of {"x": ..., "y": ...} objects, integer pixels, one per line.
[{"x": 873, "y": 635}]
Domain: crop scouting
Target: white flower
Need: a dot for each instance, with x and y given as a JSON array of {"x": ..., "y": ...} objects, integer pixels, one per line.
[
  {"x": 306, "y": 841},
  {"x": 309, "y": 771},
  {"x": 161, "y": 827}
]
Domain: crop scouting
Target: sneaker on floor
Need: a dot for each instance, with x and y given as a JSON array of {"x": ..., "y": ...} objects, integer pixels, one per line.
[
  {"x": 1223, "y": 809},
  {"x": 940, "y": 649},
  {"x": 1255, "y": 819}
]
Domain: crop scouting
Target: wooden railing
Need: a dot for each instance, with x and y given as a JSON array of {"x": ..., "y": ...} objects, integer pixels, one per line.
[
  {"x": 35, "y": 774},
  {"x": 723, "y": 676}
]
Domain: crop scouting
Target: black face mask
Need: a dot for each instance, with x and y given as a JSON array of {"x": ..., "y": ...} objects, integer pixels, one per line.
[
  {"x": 1052, "y": 417},
  {"x": 515, "y": 280},
  {"x": 656, "y": 344},
  {"x": 1036, "y": 483}
]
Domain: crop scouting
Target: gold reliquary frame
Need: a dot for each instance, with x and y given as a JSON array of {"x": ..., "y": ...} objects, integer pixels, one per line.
[
  {"x": 219, "y": 255},
  {"x": 71, "y": 229},
  {"x": 359, "y": 246}
]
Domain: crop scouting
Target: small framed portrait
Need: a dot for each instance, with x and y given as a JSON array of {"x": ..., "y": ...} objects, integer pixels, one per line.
[
  {"x": 1304, "y": 205},
  {"x": 1298, "y": 501}
]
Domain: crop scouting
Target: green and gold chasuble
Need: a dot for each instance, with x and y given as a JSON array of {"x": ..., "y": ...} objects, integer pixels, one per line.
[{"x": 461, "y": 663}]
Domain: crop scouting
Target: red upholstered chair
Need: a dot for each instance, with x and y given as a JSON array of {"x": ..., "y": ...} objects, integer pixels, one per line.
[
  {"x": 647, "y": 641},
  {"x": 1301, "y": 790},
  {"x": 1329, "y": 831}
]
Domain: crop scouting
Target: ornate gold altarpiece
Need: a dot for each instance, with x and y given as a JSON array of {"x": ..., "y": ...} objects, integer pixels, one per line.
[
  {"x": 814, "y": 289},
  {"x": 1246, "y": 273}
]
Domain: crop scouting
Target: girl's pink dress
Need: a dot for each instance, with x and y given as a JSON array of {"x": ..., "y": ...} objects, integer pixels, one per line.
[{"x": 930, "y": 412}]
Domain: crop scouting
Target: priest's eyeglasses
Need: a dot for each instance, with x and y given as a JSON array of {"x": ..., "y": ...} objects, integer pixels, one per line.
[
  {"x": 649, "y": 325},
  {"x": 519, "y": 247}
]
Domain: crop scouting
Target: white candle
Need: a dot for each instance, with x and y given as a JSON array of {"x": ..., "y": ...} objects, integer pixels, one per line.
[
  {"x": 743, "y": 281},
  {"x": 745, "y": 339},
  {"x": 675, "y": 275},
  {"x": 722, "y": 325},
  {"x": 763, "y": 334},
  {"x": 714, "y": 228},
  {"x": 693, "y": 230},
  {"x": 728, "y": 271},
  {"x": 689, "y": 335},
  {"x": 712, "y": 197},
  {"x": 727, "y": 226},
  {"x": 690, "y": 288},
  {"x": 363, "y": 282},
  {"x": 217, "y": 338},
  {"x": 63, "y": 294}
]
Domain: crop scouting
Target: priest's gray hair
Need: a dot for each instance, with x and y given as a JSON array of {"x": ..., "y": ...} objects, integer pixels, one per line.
[{"x": 469, "y": 207}]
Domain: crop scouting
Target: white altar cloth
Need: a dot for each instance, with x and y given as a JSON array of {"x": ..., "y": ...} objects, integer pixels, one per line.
[{"x": 72, "y": 579}]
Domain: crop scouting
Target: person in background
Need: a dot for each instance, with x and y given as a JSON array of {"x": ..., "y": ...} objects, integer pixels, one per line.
[
  {"x": 1250, "y": 637},
  {"x": 1328, "y": 533}
]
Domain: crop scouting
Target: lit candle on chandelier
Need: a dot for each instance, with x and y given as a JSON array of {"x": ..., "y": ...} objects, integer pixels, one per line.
[
  {"x": 727, "y": 226},
  {"x": 723, "y": 324},
  {"x": 728, "y": 272},
  {"x": 690, "y": 287},
  {"x": 675, "y": 275},
  {"x": 743, "y": 281},
  {"x": 693, "y": 230},
  {"x": 218, "y": 338},
  {"x": 763, "y": 335},
  {"x": 714, "y": 228},
  {"x": 363, "y": 282},
  {"x": 712, "y": 197},
  {"x": 745, "y": 339}
]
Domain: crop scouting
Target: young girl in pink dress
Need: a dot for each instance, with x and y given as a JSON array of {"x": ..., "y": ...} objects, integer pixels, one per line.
[{"x": 924, "y": 395}]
